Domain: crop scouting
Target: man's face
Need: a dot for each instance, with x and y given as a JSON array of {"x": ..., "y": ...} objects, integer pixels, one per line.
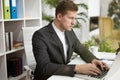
[{"x": 67, "y": 21}]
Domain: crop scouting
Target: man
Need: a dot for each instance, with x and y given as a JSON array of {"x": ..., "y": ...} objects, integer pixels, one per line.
[{"x": 54, "y": 44}]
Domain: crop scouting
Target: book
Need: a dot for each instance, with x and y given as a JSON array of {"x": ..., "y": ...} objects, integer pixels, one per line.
[
  {"x": 9, "y": 40},
  {"x": 14, "y": 66},
  {"x": 17, "y": 44}
]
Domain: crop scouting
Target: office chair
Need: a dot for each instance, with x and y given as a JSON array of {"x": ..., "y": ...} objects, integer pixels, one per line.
[{"x": 27, "y": 39}]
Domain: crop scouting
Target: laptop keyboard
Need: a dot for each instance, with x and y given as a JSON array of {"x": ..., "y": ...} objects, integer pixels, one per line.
[{"x": 104, "y": 72}]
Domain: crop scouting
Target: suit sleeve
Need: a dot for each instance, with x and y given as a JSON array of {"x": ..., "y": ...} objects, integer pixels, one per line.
[
  {"x": 44, "y": 65},
  {"x": 84, "y": 53}
]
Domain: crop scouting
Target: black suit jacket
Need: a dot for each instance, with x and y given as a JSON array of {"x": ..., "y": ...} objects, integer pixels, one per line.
[{"x": 49, "y": 54}]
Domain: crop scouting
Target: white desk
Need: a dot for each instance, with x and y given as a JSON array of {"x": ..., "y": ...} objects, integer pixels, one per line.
[
  {"x": 55, "y": 77},
  {"x": 105, "y": 56}
]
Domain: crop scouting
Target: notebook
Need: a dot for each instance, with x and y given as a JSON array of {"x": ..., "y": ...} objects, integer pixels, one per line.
[{"x": 112, "y": 74}]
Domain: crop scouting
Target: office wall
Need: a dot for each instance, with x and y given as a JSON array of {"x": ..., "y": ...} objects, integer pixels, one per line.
[
  {"x": 93, "y": 8},
  {"x": 104, "y": 7},
  {"x": 99, "y": 8},
  {"x": 83, "y": 33}
]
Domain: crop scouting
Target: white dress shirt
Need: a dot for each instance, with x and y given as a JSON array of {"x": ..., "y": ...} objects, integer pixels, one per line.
[{"x": 61, "y": 36}]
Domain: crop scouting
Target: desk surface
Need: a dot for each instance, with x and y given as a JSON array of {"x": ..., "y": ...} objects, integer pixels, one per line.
[
  {"x": 55, "y": 77},
  {"x": 107, "y": 57}
]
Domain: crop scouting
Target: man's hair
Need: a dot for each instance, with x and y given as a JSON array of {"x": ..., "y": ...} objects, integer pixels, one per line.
[{"x": 64, "y": 6}]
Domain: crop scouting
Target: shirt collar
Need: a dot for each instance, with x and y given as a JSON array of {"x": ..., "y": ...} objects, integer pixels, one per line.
[{"x": 56, "y": 29}]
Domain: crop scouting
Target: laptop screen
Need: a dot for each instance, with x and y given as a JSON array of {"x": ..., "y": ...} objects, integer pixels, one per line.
[{"x": 114, "y": 71}]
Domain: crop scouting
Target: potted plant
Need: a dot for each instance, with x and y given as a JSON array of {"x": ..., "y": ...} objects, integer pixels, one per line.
[{"x": 101, "y": 45}]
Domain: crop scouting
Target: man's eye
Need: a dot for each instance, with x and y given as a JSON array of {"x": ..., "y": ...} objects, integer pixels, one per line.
[{"x": 71, "y": 18}]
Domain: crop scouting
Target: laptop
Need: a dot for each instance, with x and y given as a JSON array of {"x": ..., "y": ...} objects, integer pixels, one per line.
[{"x": 112, "y": 74}]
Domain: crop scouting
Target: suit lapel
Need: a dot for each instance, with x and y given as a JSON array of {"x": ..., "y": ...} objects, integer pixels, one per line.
[
  {"x": 57, "y": 40},
  {"x": 69, "y": 44}
]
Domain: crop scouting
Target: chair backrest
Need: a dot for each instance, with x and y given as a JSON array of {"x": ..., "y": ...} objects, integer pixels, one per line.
[{"x": 27, "y": 39}]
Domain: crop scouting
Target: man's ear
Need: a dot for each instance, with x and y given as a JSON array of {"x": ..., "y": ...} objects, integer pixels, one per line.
[{"x": 59, "y": 16}]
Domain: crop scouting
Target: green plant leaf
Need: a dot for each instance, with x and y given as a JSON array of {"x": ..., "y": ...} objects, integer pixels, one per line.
[
  {"x": 105, "y": 46},
  {"x": 52, "y": 3},
  {"x": 81, "y": 19},
  {"x": 47, "y": 17},
  {"x": 83, "y": 5},
  {"x": 83, "y": 14},
  {"x": 77, "y": 24}
]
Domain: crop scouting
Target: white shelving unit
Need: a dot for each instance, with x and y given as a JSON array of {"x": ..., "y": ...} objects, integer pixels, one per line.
[{"x": 29, "y": 15}]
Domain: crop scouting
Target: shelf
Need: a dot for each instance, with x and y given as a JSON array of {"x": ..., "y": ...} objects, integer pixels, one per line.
[
  {"x": 1, "y": 20},
  {"x": 16, "y": 28},
  {"x": 1, "y": 54},
  {"x": 32, "y": 19},
  {"x": 19, "y": 19},
  {"x": 15, "y": 50},
  {"x": 3, "y": 68},
  {"x": 28, "y": 15},
  {"x": 18, "y": 77},
  {"x": 2, "y": 45}
]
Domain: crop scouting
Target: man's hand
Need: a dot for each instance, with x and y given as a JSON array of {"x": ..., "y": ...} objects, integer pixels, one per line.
[
  {"x": 89, "y": 69},
  {"x": 102, "y": 64}
]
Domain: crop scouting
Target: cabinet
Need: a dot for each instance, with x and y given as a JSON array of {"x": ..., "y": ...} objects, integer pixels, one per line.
[
  {"x": 28, "y": 15},
  {"x": 108, "y": 32}
]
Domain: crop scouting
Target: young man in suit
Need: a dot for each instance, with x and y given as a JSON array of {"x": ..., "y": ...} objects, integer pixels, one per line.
[{"x": 54, "y": 44}]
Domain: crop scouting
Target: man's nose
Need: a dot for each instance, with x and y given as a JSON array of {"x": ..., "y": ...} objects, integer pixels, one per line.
[{"x": 73, "y": 22}]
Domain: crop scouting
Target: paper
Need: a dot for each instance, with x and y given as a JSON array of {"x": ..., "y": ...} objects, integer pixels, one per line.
[{"x": 105, "y": 56}]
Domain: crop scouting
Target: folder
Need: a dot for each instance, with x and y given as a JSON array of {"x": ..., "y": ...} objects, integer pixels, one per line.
[
  {"x": 6, "y": 9},
  {"x": 13, "y": 9},
  {"x": 10, "y": 40},
  {"x": 7, "y": 41}
]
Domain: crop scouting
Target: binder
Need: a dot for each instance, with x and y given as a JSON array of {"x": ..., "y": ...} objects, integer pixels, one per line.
[
  {"x": 7, "y": 41},
  {"x": 6, "y": 9},
  {"x": 13, "y": 9},
  {"x": 10, "y": 40}
]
